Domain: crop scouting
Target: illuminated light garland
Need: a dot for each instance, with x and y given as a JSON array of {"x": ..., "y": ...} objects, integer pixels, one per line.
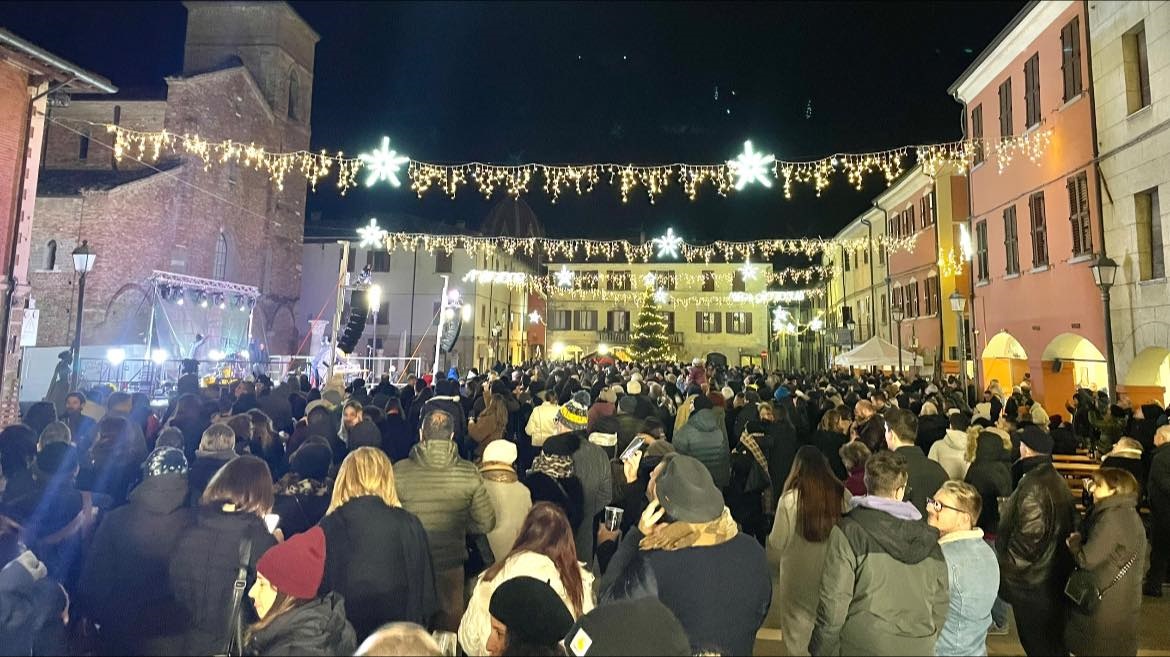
[
  {"x": 951, "y": 264},
  {"x": 557, "y": 250},
  {"x": 735, "y": 299},
  {"x": 624, "y": 280},
  {"x": 516, "y": 180}
]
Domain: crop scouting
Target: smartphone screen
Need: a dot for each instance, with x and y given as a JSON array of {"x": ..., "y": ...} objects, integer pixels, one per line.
[
  {"x": 271, "y": 520},
  {"x": 635, "y": 445}
]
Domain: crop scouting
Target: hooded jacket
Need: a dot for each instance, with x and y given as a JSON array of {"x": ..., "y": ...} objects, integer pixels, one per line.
[
  {"x": 31, "y": 605},
  {"x": 702, "y": 438},
  {"x": 448, "y": 496},
  {"x": 990, "y": 474},
  {"x": 130, "y": 552},
  {"x": 1038, "y": 517},
  {"x": 884, "y": 590},
  {"x": 951, "y": 453},
  {"x": 316, "y": 628}
]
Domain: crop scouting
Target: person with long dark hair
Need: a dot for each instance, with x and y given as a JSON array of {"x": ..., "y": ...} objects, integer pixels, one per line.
[
  {"x": 545, "y": 550},
  {"x": 811, "y": 505}
]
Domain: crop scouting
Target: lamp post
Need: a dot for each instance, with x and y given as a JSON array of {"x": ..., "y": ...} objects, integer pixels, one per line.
[
  {"x": 1104, "y": 274},
  {"x": 959, "y": 305},
  {"x": 897, "y": 314},
  {"x": 850, "y": 325},
  {"x": 374, "y": 299},
  {"x": 497, "y": 330},
  {"x": 83, "y": 260}
]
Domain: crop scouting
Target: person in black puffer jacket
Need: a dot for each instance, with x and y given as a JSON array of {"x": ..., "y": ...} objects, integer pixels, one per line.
[
  {"x": 294, "y": 620},
  {"x": 130, "y": 552},
  {"x": 1034, "y": 560},
  {"x": 206, "y": 559}
]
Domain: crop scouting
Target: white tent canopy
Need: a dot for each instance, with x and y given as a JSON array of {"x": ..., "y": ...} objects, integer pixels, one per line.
[{"x": 876, "y": 352}]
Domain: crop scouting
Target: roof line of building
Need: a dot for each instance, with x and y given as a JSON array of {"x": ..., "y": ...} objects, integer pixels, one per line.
[
  {"x": 999, "y": 38},
  {"x": 96, "y": 81}
]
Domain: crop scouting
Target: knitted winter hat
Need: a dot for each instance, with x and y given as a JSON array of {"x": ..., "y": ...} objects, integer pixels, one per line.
[
  {"x": 574, "y": 414},
  {"x": 642, "y": 626},
  {"x": 296, "y": 566},
  {"x": 634, "y": 388},
  {"x": 531, "y": 611},
  {"x": 165, "y": 460},
  {"x": 500, "y": 451}
]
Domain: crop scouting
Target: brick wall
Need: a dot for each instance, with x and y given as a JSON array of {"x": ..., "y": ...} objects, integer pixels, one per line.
[
  {"x": 62, "y": 150},
  {"x": 13, "y": 123}
]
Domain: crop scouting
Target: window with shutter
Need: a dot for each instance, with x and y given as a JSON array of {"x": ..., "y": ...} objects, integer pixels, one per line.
[
  {"x": 1032, "y": 90},
  {"x": 977, "y": 133},
  {"x": 1070, "y": 61},
  {"x": 1136, "y": 68},
  {"x": 1011, "y": 241},
  {"x": 708, "y": 281},
  {"x": 982, "y": 270},
  {"x": 737, "y": 282},
  {"x": 1078, "y": 201},
  {"x": 1151, "y": 253},
  {"x": 1005, "y": 109},
  {"x": 910, "y": 219},
  {"x": 1039, "y": 230}
]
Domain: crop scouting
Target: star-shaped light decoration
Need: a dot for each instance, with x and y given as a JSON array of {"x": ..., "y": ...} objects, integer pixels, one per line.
[
  {"x": 749, "y": 167},
  {"x": 748, "y": 272},
  {"x": 649, "y": 279},
  {"x": 384, "y": 164},
  {"x": 660, "y": 296},
  {"x": 372, "y": 235},
  {"x": 534, "y": 317},
  {"x": 668, "y": 244},
  {"x": 779, "y": 316},
  {"x": 564, "y": 277}
]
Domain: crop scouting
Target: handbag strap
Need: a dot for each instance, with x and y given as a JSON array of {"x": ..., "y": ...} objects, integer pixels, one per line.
[
  {"x": 235, "y": 621},
  {"x": 1120, "y": 573}
]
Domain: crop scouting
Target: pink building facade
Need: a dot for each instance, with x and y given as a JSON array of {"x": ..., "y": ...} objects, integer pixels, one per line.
[{"x": 1035, "y": 213}]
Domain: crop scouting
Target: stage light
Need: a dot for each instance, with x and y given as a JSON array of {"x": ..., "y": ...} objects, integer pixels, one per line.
[
  {"x": 219, "y": 300},
  {"x": 115, "y": 356},
  {"x": 244, "y": 355},
  {"x": 179, "y": 295},
  {"x": 215, "y": 354},
  {"x": 159, "y": 356},
  {"x": 201, "y": 297},
  {"x": 466, "y": 312}
]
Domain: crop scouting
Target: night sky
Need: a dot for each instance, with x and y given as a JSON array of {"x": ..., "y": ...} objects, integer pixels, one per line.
[{"x": 582, "y": 82}]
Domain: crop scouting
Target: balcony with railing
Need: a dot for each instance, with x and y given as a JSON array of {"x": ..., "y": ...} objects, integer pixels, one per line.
[{"x": 623, "y": 337}]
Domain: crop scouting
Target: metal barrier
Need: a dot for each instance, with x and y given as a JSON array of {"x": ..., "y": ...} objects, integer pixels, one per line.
[{"x": 159, "y": 379}]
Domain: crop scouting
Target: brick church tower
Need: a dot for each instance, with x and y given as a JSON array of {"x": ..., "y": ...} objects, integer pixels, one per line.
[{"x": 247, "y": 76}]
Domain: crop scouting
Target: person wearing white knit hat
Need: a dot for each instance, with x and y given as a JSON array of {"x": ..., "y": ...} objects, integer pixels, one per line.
[{"x": 510, "y": 498}]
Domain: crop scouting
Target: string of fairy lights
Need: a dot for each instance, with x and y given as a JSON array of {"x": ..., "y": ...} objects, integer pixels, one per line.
[
  {"x": 668, "y": 246},
  {"x": 670, "y": 280},
  {"x": 751, "y": 167}
]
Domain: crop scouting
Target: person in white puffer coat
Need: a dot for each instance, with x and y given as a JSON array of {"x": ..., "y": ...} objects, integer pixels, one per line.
[
  {"x": 951, "y": 451},
  {"x": 545, "y": 550}
]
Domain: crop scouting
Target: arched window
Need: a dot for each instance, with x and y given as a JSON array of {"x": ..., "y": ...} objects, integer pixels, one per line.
[
  {"x": 51, "y": 255},
  {"x": 219, "y": 272},
  {"x": 294, "y": 96}
]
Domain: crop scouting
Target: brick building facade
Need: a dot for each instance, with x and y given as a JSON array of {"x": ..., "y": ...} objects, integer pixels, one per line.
[
  {"x": 247, "y": 76},
  {"x": 28, "y": 78}
]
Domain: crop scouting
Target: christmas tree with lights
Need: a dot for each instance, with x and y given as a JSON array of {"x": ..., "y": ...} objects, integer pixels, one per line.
[{"x": 649, "y": 342}]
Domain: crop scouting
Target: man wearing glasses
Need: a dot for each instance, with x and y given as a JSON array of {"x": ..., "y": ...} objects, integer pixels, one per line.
[{"x": 972, "y": 569}]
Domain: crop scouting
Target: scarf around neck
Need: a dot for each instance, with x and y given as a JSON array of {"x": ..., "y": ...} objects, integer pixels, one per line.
[
  {"x": 678, "y": 535},
  {"x": 553, "y": 465}
]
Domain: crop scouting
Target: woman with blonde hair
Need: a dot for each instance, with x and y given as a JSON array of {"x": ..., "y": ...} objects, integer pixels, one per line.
[{"x": 376, "y": 556}]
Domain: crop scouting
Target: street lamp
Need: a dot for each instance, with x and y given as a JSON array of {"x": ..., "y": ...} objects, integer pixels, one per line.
[
  {"x": 959, "y": 305},
  {"x": 497, "y": 330},
  {"x": 83, "y": 260},
  {"x": 374, "y": 299},
  {"x": 850, "y": 325},
  {"x": 1104, "y": 274},
  {"x": 897, "y": 314}
]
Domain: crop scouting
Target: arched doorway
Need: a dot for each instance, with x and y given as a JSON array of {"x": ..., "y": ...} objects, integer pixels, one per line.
[
  {"x": 1148, "y": 376},
  {"x": 1004, "y": 360},
  {"x": 1071, "y": 361}
]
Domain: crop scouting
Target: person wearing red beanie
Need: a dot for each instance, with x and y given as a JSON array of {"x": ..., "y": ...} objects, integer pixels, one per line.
[{"x": 294, "y": 620}]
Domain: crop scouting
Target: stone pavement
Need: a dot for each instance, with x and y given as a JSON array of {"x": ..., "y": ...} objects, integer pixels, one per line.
[{"x": 1155, "y": 634}]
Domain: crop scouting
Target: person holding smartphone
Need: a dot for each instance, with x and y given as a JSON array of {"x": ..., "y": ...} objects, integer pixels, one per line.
[{"x": 712, "y": 577}]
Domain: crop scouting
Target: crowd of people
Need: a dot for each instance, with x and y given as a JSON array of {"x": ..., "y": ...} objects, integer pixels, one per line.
[{"x": 579, "y": 509}]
